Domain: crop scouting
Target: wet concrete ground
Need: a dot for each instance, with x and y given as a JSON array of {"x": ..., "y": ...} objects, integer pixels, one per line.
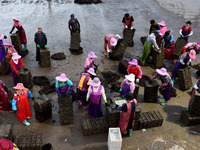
[{"x": 96, "y": 21}]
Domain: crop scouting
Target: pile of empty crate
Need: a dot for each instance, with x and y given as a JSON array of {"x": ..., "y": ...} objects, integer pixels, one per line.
[
  {"x": 192, "y": 116},
  {"x": 102, "y": 124}
]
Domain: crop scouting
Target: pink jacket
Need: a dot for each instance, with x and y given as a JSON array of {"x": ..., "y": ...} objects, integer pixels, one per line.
[
  {"x": 139, "y": 71},
  {"x": 163, "y": 30}
]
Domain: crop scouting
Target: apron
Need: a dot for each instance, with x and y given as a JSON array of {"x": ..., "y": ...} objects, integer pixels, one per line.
[
  {"x": 22, "y": 35},
  {"x": 23, "y": 107},
  {"x": 4, "y": 99},
  {"x": 14, "y": 74},
  {"x": 169, "y": 52},
  {"x": 125, "y": 89},
  {"x": 166, "y": 90},
  {"x": 184, "y": 32},
  {"x": 95, "y": 97},
  {"x": 125, "y": 116}
]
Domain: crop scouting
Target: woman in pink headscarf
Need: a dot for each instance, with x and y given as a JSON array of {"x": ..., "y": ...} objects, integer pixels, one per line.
[
  {"x": 10, "y": 48},
  {"x": 89, "y": 62},
  {"x": 21, "y": 31},
  {"x": 163, "y": 28}
]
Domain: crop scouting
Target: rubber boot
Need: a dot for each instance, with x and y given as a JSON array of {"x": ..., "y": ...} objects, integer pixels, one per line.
[
  {"x": 130, "y": 132},
  {"x": 173, "y": 80},
  {"x": 105, "y": 53},
  {"x": 26, "y": 123},
  {"x": 25, "y": 46},
  {"x": 28, "y": 117},
  {"x": 188, "y": 108},
  {"x": 165, "y": 103},
  {"x": 161, "y": 96}
]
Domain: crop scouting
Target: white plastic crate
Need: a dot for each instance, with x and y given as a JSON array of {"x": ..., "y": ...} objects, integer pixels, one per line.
[{"x": 114, "y": 139}]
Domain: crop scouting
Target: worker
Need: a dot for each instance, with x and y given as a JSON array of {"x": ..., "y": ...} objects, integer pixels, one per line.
[
  {"x": 89, "y": 62},
  {"x": 16, "y": 64},
  {"x": 110, "y": 41},
  {"x": 189, "y": 46},
  {"x": 3, "y": 52},
  {"x": 128, "y": 22},
  {"x": 126, "y": 122},
  {"x": 183, "y": 61},
  {"x": 6, "y": 144},
  {"x": 21, "y": 31},
  {"x": 95, "y": 92},
  {"x": 186, "y": 31},
  {"x": 163, "y": 28},
  {"x": 11, "y": 50},
  {"x": 166, "y": 85},
  {"x": 22, "y": 104},
  {"x": 74, "y": 24},
  {"x": 127, "y": 85},
  {"x": 82, "y": 87},
  {"x": 40, "y": 41},
  {"x": 135, "y": 69},
  {"x": 151, "y": 40},
  {"x": 154, "y": 27}
]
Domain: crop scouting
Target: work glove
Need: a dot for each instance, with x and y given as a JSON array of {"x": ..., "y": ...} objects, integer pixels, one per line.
[
  {"x": 126, "y": 26},
  {"x": 117, "y": 35},
  {"x": 186, "y": 35},
  {"x": 108, "y": 50},
  {"x": 182, "y": 36},
  {"x": 120, "y": 108},
  {"x": 38, "y": 46},
  {"x": 120, "y": 90},
  {"x": 61, "y": 98},
  {"x": 87, "y": 99},
  {"x": 137, "y": 80},
  {"x": 105, "y": 101},
  {"x": 132, "y": 28},
  {"x": 68, "y": 94},
  {"x": 45, "y": 46}
]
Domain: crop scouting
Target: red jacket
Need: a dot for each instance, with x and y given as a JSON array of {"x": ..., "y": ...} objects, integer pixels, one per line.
[{"x": 13, "y": 65}]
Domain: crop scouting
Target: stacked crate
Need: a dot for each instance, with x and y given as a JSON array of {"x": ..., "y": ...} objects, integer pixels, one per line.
[
  {"x": 158, "y": 58},
  {"x": 75, "y": 43},
  {"x": 45, "y": 59},
  {"x": 95, "y": 126},
  {"x": 150, "y": 92},
  {"x": 184, "y": 78},
  {"x": 29, "y": 142},
  {"x": 119, "y": 50},
  {"x": 113, "y": 116},
  {"x": 43, "y": 108},
  {"x": 6, "y": 131},
  {"x": 25, "y": 78},
  {"x": 136, "y": 118},
  {"x": 128, "y": 36},
  {"x": 123, "y": 66},
  {"x": 101, "y": 78},
  {"x": 150, "y": 119},
  {"x": 5, "y": 67},
  {"x": 66, "y": 110},
  {"x": 192, "y": 117},
  {"x": 179, "y": 45}
]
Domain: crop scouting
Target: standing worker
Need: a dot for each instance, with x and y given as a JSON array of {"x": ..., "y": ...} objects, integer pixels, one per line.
[
  {"x": 166, "y": 84},
  {"x": 40, "y": 41},
  {"x": 22, "y": 104},
  {"x": 154, "y": 26},
  {"x": 73, "y": 24},
  {"x": 182, "y": 62},
  {"x": 95, "y": 91},
  {"x": 110, "y": 41},
  {"x": 186, "y": 31},
  {"x": 126, "y": 122},
  {"x": 21, "y": 31},
  {"x": 3, "y": 52},
  {"x": 89, "y": 62},
  {"x": 163, "y": 28},
  {"x": 83, "y": 85},
  {"x": 16, "y": 64},
  {"x": 135, "y": 69}
]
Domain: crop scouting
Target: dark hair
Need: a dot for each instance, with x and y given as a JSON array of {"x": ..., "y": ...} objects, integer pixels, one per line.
[
  {"x": 129, "y": 96},
  {"x": 152, "y": 21},
  {"x": 39, "y": 28},
  {"x": 189, "y": 22},
  {"x": 47, "y": 146},
  {"x": 167, "y": 33},
  {"x": 126, "y": 15}
]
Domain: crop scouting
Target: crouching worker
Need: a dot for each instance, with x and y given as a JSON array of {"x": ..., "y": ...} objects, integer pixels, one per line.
[
  {"x": 89, "y": 62},
  {"x": 7, "y": 145},
  {"x": 20, "y": 98},
  {"x": 126, "y": 122},
  {"x": 166, "y": 84},
  {"x": 135, "y": 69},
  {"x": 182, "y": 62},
  {"x": 95, "y": 91},
  {"x": 110, "y": 41},
  {"x": 195, "y": 88},
  {"x": 83, "y": 86},
  {"x": 127, "y": 85},
  {"x": 64, "y": 86}
]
